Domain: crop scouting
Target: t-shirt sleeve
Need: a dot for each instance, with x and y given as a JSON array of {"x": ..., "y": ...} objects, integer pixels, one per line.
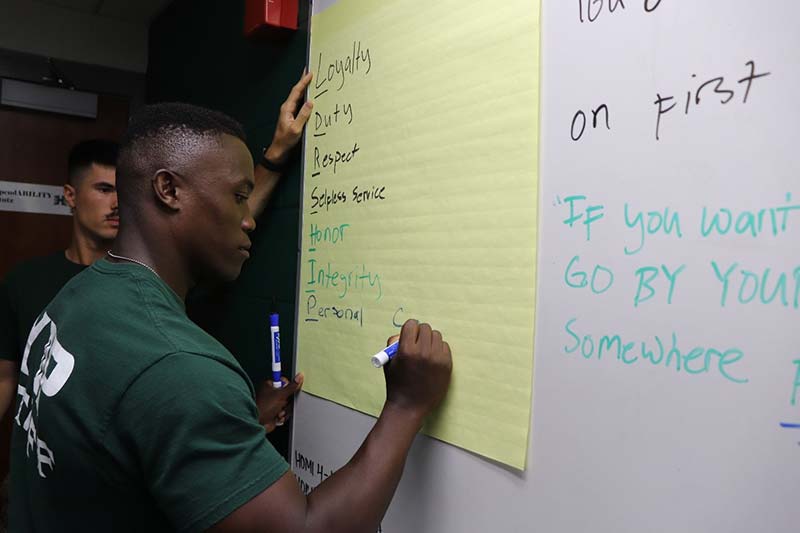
[
  {"x": 9, "y": 342},
  {"x": 192, "y": 424}
]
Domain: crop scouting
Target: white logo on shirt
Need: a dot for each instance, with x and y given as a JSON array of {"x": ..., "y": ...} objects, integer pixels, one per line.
[{"x": 55, "y": 368}]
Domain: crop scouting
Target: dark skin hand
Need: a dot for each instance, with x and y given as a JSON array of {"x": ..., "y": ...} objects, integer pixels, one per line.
[
  {"x": 356, "y": 497},
  {"x": 292, "y": 118},
  {"x": 274, "y": 405}
]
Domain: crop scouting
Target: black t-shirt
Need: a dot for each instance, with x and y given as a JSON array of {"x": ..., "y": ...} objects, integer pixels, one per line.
[{"x": 24, "y": 293}]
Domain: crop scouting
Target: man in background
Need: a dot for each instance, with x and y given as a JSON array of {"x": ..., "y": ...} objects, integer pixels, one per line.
[{"x": 91, "y": 194}]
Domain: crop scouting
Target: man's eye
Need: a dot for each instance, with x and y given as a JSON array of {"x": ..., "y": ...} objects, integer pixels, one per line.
[{"x": 241, "y": 198}]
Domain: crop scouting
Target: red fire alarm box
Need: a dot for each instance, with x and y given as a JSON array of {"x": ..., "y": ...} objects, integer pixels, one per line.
[{"x": 261, "y": 14}]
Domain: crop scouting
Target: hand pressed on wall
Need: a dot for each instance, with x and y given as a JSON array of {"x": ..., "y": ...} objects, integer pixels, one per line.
[{"x": 291, "y": 122}]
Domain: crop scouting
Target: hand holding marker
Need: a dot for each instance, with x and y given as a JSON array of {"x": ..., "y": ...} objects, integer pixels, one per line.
[
  {"x": 385, "y": 355},
  {"x": 275, "y": 336},
  {"x": 274, "y": 395},
  {"x": 418, "y": 376}
]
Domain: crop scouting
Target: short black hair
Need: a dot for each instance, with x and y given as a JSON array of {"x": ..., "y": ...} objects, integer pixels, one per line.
[
  {"x": 162, "y": 135},
  {"x": 173, "y": 118},
  {"x": 85, "y": 153}
]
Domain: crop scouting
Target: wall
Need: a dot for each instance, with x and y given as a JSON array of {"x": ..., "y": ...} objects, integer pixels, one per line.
[{"x": 198, "y": 55}]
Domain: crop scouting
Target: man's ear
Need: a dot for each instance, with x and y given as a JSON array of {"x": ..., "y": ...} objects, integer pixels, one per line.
[
  {"x": 167, "y": 186},
  {"x": 69, "y": 195}
]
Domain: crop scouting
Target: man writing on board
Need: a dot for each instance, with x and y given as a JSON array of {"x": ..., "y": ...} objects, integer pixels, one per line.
[{"x": 134, "y": 419}]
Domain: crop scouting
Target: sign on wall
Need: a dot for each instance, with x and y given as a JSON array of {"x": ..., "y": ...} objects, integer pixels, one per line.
[{"x": 33, "y": 198}]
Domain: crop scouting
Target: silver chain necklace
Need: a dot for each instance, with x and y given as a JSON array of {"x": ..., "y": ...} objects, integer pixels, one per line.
[{"x": 132, "y": 260}]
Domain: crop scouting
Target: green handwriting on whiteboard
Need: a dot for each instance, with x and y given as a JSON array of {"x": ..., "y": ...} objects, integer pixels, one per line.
[
  {"x": 764, "y": 286},
  {"x": 665, "y": 353}
]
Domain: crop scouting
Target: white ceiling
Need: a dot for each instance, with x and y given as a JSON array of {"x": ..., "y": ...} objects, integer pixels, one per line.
[{"x": 126, "y": 10}]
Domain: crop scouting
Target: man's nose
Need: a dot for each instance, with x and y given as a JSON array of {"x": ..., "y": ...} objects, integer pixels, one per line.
[{"x": 248, "y": 223}]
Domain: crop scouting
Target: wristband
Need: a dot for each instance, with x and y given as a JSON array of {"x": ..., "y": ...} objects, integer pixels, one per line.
[{"x": 269, "y": 165}]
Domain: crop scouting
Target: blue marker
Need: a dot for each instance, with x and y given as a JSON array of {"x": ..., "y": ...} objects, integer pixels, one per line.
[
  {"x": 385, "y": 355},
  {"x": 275, "y": 333}
]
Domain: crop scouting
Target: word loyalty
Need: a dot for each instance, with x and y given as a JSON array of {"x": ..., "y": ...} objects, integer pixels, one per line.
[{"x": 336, "y": 71}]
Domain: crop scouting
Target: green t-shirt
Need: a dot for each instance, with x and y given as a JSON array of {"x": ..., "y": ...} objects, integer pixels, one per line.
[
  {"x": 132, "y": 418},
  {"x": 24, "y": 293}
]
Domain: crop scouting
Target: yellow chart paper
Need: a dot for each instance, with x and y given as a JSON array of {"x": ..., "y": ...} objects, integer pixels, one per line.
[{"x": 420, "y": 201}]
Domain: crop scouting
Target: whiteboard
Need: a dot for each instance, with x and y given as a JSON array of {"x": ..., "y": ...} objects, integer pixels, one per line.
[{"x": 618, "y": 442}]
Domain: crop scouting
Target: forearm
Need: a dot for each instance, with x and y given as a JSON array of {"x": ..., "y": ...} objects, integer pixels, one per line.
[{"x": 356, "y": 497}]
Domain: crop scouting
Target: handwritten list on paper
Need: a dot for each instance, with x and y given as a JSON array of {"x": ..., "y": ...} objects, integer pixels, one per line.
[{"x": 420, "y": 201}]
